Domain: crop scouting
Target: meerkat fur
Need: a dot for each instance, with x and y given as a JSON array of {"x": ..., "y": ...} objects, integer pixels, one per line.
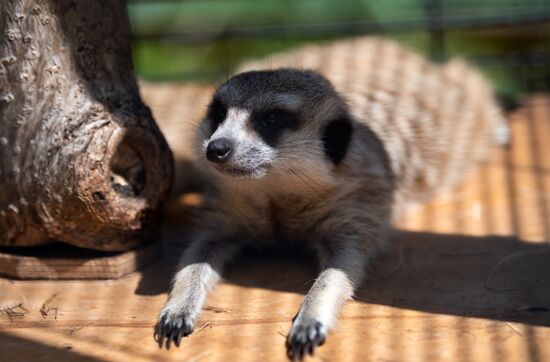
[{"x": 318, "y": 148}]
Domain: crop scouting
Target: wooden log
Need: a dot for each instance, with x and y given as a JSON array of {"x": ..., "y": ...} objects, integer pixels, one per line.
[{"x": 81, "y": 158}]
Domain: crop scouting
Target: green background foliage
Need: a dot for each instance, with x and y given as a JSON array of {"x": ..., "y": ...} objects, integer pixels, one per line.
[{"x": 202, "y": 40}]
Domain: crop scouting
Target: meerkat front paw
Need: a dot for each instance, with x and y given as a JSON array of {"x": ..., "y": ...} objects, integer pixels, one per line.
[
  {"x": 304, "y": 337},
  {"x": 172, "y": 326}
]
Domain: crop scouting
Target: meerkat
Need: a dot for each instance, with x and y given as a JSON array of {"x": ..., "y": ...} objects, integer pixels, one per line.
[{"x": 321, "y": 155}]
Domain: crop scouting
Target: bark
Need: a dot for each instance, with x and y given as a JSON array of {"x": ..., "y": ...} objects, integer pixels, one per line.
[{"x": 81, "y": 158}]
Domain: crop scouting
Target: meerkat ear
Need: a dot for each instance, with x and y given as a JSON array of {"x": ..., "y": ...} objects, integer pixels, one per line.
[{"x": 336, "y": 138}]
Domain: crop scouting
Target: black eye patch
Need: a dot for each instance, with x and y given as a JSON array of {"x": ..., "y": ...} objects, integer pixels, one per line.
[
  {"x": 270, "y": 124},
  {"x": 217, "y": 111},
  {"x": 336, "y": 139}
]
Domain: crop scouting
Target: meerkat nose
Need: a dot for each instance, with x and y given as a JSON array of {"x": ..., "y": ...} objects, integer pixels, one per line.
[{"x": 219, "y": 150}]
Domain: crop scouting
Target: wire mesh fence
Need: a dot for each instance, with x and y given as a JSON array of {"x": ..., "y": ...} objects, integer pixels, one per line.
[{"x": 203, "y": 40}]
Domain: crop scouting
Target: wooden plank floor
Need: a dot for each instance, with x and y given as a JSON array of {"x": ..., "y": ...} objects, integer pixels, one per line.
[{"x": 468, "y": 279}]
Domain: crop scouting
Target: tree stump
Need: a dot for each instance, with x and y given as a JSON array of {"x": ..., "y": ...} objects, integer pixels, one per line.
[{"x": 81, "y": 158}]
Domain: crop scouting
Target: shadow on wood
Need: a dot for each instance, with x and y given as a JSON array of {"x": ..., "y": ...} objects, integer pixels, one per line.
[
  {"x": 24, "y": 349},
  {"x": 64, "y": 261},
  {"x": 486, "y": 277}
]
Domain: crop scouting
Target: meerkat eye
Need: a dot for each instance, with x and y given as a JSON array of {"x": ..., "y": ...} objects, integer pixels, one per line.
[
  {"x": 272, "y": 123},
  {"x": 272, "y": 118},
  {"x": 217, "y": 111}
]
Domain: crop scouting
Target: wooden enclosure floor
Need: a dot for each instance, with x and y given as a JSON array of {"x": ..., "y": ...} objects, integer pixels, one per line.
[{"x": 468, "y": 279}]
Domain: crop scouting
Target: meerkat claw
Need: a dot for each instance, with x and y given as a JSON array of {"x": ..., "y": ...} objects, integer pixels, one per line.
[
  {"x": 304, "y": 338},
  {"x": 172, "y": 329}
]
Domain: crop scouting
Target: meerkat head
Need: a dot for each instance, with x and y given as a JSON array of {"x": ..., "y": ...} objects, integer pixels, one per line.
[{"x": 277, "y": 122}]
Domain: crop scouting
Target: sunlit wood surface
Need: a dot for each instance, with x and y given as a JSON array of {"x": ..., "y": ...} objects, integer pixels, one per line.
[{"x": 468, "y": 281}]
